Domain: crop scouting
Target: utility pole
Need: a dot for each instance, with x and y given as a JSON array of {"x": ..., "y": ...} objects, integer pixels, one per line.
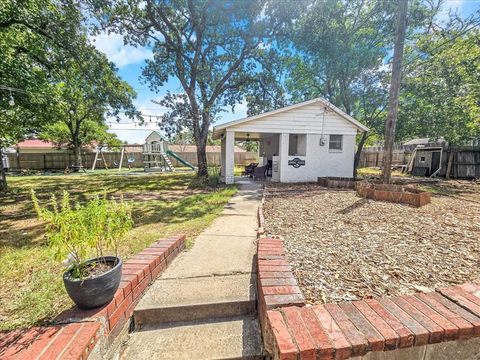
[{"x": 391, "y": 123}]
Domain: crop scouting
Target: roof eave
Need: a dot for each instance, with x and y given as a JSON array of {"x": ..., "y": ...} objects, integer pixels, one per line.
[{"x": 218, "y": 130}]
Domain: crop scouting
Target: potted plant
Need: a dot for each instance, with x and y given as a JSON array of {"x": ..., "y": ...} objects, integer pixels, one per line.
[{"x": 77, "y": 231}]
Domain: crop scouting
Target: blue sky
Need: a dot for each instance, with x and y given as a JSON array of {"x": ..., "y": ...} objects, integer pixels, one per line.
[{"x": 130, "y": 61}]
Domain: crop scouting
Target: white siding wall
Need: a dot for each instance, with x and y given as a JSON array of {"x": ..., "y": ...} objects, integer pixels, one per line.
[
  {"x": 303, "y": 120},
  {"x": 319, "y": 161}
]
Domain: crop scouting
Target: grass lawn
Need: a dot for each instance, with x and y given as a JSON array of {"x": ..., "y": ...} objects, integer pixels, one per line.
[
  {"x": 373, "y": 171},
  {"x": 32, "y": 291}
]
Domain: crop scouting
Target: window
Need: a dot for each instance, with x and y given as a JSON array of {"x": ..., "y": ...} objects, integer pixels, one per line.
[
  {"x": 422, "y": 159},
  {"x": 297, "y": 145},
  {"x": 335, "y": 143}
]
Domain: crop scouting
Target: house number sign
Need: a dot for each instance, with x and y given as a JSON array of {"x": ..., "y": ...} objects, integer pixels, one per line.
[{"x": 296, "y": 162}]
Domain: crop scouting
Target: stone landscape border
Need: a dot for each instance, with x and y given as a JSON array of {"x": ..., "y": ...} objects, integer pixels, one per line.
[
  {"x": 78, "y": 333},
  {"x": 442, "y": 324}
]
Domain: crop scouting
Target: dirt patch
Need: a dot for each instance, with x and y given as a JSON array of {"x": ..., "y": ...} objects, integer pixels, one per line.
[
  {"x": 343, "y": 247},
  {"x": 94, "y": 270}
]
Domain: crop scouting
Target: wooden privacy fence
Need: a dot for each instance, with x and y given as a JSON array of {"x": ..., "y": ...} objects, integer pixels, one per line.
[
  {"x": 62, "y": 160},
  {"x": 375, "y": 158},
  {"x": 464, "y": 161}
]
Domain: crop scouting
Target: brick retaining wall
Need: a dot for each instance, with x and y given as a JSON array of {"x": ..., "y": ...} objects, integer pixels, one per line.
[
  {"x": 337, "y": 183},
  {"x": 443, "y": 324},
  {"x": 396, "y": 194},
  {"x": 80, "y": 330}
]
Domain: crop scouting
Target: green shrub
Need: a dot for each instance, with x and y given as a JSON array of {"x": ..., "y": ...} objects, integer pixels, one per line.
[{"x": 73, "y": 231}]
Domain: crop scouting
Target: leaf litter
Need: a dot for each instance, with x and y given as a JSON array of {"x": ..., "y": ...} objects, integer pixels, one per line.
[{"x": 343, "y": 247}]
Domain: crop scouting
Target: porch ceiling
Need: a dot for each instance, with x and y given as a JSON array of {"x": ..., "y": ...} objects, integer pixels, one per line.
[
  {"x": 255, "y": 136},
  {"x": 245, "y": 136}
]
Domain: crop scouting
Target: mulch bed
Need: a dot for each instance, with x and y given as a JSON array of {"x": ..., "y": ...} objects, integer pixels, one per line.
[{"x": 343, "y": 247}]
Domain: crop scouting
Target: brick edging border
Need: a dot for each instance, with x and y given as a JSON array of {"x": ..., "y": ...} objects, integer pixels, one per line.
[
  {"x": 391, "y": 193},
  {"x": 78, "y": 331},
  {"x": 276, "y": 284},
  {"x": 413, "y": 325}
]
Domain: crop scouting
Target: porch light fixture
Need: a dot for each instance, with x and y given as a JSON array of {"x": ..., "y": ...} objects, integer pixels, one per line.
[
  {"x": 248, "y": 138},
  {"x": 11, "y": 101}
]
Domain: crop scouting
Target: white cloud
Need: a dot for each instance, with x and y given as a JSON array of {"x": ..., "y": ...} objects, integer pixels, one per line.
[{"x": 119, "y": 53}]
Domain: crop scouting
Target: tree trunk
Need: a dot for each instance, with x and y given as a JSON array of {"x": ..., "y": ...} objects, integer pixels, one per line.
[
  {"x": 202, "y": 156},
  {"x": 359, "y": 153},
  {"x": 78, "y": 152},
  {"x": 3, "y": 175},
  {"x": 394, "y": 90}
]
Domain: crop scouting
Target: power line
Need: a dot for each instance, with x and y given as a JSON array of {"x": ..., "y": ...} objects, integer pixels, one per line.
[
  {"x": 135, "y": 129},
  {"x": 3, "y": 87}
]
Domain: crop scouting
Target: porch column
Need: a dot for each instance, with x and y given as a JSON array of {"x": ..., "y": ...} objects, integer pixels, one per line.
[
  {"x": 229, "y": 157},
  {"x": 222, "y": 159},
  {"x": 283, "y": 153}
]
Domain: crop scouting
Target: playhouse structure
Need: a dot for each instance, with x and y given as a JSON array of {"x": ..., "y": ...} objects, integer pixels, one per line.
[{"x": 156, "y": 154}]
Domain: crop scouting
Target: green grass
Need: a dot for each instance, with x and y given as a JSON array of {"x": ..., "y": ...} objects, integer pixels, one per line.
[
  {"x": 32, "y": 291},
  {"x": 372, "y": 171}
]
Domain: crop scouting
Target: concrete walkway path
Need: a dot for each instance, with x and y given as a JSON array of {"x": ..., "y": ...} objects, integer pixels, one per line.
[{"x": 204, "y": 304}]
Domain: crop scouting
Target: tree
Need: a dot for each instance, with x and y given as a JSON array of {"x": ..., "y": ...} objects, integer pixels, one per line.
[
  {"x": 390, "y": 124},
  {"x": 341, "y": 51},
  {"x": 213, "y": 48},
  {"x": 91, "y": 132},
  {"x": 87, "y": 91},
  {"x": 440, "y": 95},
  {"x": 35, "y": 37},
  {"x": 183, "y": 138},
  {"x": 341, "y": 48}
]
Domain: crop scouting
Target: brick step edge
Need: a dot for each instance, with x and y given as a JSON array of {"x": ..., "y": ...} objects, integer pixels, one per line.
[
  {"x": 81, "y": 329},
  {"x": 276, "y": 285},
  {"x": 349, "y": 329}
]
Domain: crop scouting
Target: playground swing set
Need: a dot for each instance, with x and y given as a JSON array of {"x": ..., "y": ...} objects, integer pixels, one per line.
[{"x": 156, "y": 157}]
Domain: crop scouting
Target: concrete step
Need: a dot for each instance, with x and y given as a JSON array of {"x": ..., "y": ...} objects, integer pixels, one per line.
[
  {"x": 198, "y": 298},
  {"x": 235, "y": 338}
]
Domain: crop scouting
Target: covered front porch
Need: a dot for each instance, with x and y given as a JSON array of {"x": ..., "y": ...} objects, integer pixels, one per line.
[
  {"x": 272, "y": 148},
  {"x": 298, "y": 143}
]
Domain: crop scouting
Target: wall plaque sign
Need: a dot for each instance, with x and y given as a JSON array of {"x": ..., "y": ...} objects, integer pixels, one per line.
[{"x": 296, "y": 162}]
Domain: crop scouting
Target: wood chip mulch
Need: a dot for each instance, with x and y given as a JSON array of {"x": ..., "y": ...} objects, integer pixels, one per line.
[{"x": 343, "y": 247}]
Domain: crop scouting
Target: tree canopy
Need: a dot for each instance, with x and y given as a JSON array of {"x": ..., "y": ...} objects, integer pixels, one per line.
[
  {"x": 213, "y": 47},
  {"x": 49, "y": 72},
  {"x": 87, "y": 92},
  {"x": 441, "y": 90}
]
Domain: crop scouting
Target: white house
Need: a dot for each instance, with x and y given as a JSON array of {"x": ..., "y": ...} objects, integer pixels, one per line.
[{"x": 301, "y": 142}]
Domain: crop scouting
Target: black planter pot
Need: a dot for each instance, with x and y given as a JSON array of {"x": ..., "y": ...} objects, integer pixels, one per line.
[{"x": 97, "y": 291}]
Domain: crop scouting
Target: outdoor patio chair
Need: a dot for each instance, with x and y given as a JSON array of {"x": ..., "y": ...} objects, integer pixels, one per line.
[
  {"x": 249, "y": 169},
  {"x": 260, "y": 172}
]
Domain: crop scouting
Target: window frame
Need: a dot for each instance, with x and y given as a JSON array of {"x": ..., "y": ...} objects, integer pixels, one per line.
[
  {"x": 297, "y": 136},
  {"x": 330, "y": 142}
]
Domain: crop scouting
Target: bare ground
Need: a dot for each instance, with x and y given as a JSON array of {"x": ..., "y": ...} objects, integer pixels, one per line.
[{"x": 343, "y": 247}]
